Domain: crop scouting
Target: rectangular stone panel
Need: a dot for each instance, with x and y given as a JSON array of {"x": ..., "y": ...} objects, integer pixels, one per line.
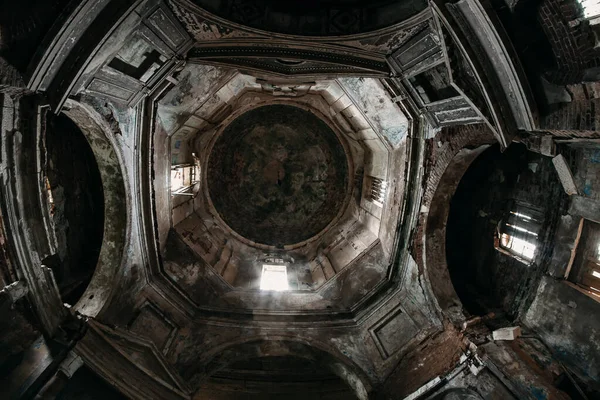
[
  {"x": 421, "y": 52},
  {"x": 109, "y": 89},
  {"x": 394, "y": 332},
  {"x": 167, "y": 28},
  {"x": 152, "y": 324}
]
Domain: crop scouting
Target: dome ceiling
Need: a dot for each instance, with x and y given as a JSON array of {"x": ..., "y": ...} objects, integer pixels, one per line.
[
  {"x": 227, "y": 152},
  {"x": 278, "y": 175},
  {"x": 287, "y": 175}
]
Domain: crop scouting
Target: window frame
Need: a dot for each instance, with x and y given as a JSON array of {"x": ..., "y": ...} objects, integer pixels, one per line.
[
  {"x": 523, "y": 223},
  {"x": 582, "y": 275},
  {"x": 274, "y": 268},
  {"x": 376, "y": 190},
  {"x": 194, "y": 177}
]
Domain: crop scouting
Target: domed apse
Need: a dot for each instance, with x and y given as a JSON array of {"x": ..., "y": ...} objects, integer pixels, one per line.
[
  {"x": 497, "y": 227},
  {"x": 278, "y": 175},
  {"x": 77, "y": 207}
]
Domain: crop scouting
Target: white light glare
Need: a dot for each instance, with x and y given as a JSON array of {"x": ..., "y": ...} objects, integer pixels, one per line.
[{"x": 274, "y": 277}]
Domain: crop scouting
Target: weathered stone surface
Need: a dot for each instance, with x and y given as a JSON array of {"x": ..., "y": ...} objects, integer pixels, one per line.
[
  {"x": 510, "y": 333},
  {"x": 565, "y": 175},
  {"x": 566, "y": 329}
]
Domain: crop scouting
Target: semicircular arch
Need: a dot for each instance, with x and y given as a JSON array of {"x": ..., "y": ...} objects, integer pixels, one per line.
[{"x": 116, "y": 219}]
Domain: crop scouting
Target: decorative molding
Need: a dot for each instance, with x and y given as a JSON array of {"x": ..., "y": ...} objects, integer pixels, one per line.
[
  {"x": 151, "y": 322},
  {"x": 303, "y": 68},
  {"x": 287, "y": 59},
  {"x": 132, "y": 364},
  {"x": 419, "y": 53}
]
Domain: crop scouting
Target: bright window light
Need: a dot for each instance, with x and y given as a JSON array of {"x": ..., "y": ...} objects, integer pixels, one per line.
[
  {"x": 591, "y": 8},
  {"x": 527, "y": 217},
  {"x": 518, "y": 246},
  {"x": 522, "y": 229},
  {"x": 274, "y": 277},
  {"x": 183, "y": 177},
  {"x": 596, "y": 274}
]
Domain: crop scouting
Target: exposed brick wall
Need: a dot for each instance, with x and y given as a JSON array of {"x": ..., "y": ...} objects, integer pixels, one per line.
[
  {"x": 577, "y": 118},
  {"x": 573, "y": 46},
  {"x": 434, "y": 357},
  {"x": 439, "y": 153},
  {"x": 442, "y": 149}
]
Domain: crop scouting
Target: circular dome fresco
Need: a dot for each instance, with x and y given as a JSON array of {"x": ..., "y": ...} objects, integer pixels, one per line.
[
  {"x": 314, "y": 17},
  {"x": 277, "y": 175}
]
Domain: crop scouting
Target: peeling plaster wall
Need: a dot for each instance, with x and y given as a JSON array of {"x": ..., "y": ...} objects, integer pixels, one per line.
[
  {"x": 562, "y": 316},
  {"x": 585, "y": 167},
  {"x": 386, "y": 117},
  {"x": 197, "y": 85},
  {"x": 162, "y": 187}
]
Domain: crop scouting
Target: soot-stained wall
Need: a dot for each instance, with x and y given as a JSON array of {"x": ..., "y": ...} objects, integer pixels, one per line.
[
  {"x": 564, "y": 319},
  {"x": 78, "y": 210},
  {"x": 484, "y": 278}
]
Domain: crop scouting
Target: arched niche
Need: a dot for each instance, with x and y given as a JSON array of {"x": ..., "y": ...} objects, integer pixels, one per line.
[
  {"x": 116, "y": 219},
  {"x": 500, "y": 229},
  {"x": 76, "y": 197},
  {"x": 254, "y": 348},
  {"x": 435, "y": 232}
]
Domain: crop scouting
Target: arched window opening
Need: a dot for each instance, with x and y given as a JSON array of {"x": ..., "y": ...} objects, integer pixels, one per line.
[
  {"x": 274, "y": 277},
  {"x": 518, "y": 232}
]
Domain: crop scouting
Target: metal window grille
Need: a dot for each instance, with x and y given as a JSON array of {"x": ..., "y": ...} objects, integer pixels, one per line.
[{"x": 377, "y": 190}]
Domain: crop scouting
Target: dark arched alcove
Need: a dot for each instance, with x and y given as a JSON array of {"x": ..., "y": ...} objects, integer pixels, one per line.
[
  {"x": 77, "y": 206},
  {"x": 496, "y": 186},
  {"x": 276, "y": 377}
]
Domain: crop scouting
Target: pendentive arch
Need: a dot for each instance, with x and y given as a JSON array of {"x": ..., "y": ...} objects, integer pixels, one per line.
[
  {"x": 455, "y": 157},
  {"x": 281, "y": 346},
  {"x": 116, "y": 219}
]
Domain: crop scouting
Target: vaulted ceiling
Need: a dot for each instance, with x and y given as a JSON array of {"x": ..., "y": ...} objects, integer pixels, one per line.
[{"x": 305, "y": 130}]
